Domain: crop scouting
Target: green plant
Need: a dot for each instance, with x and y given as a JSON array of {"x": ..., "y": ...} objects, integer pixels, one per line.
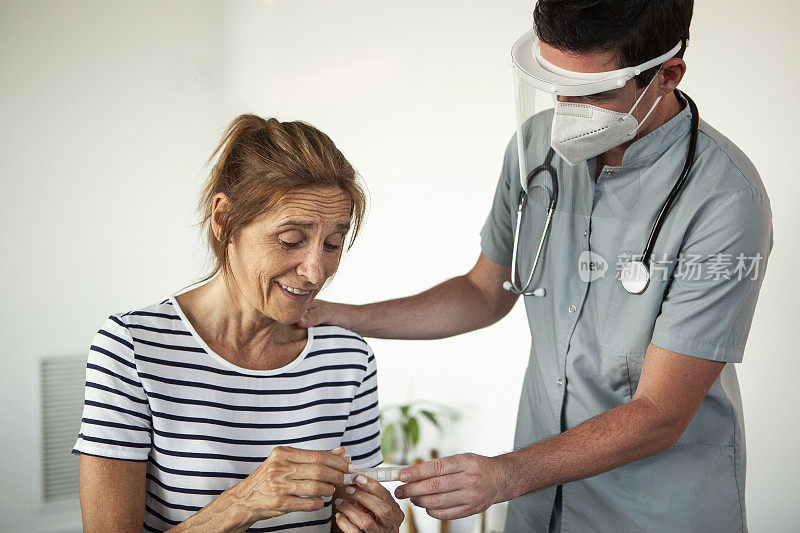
[{"x": 401, "y": 426}]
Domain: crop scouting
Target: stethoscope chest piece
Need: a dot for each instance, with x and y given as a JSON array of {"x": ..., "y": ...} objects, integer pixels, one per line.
[{"x": 635, "y": 276}]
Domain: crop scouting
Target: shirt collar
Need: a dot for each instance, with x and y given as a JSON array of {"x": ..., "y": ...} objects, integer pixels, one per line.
[{"x": 658, "y": 141}]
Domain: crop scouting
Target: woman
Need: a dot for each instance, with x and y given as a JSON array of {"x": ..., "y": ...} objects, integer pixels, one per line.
[{"x": 210, "y": 411}]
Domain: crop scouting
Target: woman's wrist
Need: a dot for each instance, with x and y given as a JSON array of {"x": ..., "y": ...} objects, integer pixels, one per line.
[{"x": 228, "y": 512}]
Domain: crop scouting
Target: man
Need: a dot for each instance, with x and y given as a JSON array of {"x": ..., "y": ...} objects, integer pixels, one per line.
[{"x": 630, "y": 417}]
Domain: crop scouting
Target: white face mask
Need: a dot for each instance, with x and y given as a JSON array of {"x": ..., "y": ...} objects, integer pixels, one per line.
[{"x": 582, "y": 131}]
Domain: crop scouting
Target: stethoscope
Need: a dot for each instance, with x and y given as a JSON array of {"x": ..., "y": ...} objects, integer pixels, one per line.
[{"x": 635, "y": 273}]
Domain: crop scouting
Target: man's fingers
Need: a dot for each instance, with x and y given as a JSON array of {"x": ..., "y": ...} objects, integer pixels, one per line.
[
  {"x": 436, "y": 467},
  {"x": 446, "y": 500},
  {"x": 432, "y": 485},
  {"x": 315, "y": 315},
  {"x": 452, "y": 513}
]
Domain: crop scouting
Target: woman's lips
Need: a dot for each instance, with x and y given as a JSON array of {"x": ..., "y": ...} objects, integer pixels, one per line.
[{"x": 293, "y": 296}]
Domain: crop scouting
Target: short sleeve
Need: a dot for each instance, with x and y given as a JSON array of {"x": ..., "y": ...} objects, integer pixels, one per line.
[
  {"x": 497, "y": 237},
  {"x": 116, "y": 419},
  {"x": 709, "y": 304},
  {"x": 362, "y": 438}
]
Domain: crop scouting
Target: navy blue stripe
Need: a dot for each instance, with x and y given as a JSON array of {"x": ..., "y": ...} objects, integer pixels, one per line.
[
  {"x": 182, "y": 490},
  {"x": 113, "y": 374},
  {"x": 165, "y": 503},
  {"x": 114, "y": 391},
  {"x": 197, "y": 455},
  {"x": 193, "y": 349},
  {"x": 336, "y": 350},
  {"x": 165, "y": 301},
  {"x": 113, "y": 356},
  {"x": 340, "y": 336},
  {"x": 371, "y": 374},
  {"x": 359, "y": 411},
  {"x": 114, "y": 425},
  {"x": 365, "y": 455},
  {"x": 272, "y": 442},
  {"x": 226, "y": 423},
  {"x": 115, "y": 442},
  {"x": 114, "y": 337},
  {"x": 362, "y": 424},
  {"x": 119, "y": 322},
  {"x": 362, "y": 440},
  {"x": 116, "y": 408},
  {"x": 259, "y": 408},
  {"x": 365, "y": 393},
  {"x": 148, "y": 313},
  {"x": 160, "y": 516},
  {"x": 161, "y": 330},
  {"x": 239, "y": 390},
  {"x": 290, "y": 526},
  {"x": 79, "y": 452},
  {"x": 205, "y": 368},
  {"x": 308, "y": 523},
  {"x": 197, "y": 473},
  {"x": 371, "y": 358}
]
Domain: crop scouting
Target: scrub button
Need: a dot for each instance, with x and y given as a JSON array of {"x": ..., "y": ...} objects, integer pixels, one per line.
[
  {"x": 572, "y": 309},
  {"x": 560, "y": 383},
  {"x": 609, "y": 171},
  {"x": 586, "y": 233}
]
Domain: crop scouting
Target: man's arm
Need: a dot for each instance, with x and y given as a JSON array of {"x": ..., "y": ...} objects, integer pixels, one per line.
[
  {"x": 671, "y": 389},
  {"x": 464, "y": 303}
]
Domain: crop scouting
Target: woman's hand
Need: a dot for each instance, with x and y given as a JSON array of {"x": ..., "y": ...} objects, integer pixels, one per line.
[
  {"x": 289, "y": 480},
  {"x": 368, "y": 508}
]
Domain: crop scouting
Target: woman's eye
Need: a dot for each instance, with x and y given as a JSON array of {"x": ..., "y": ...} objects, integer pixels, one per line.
[
  {"x": 290, "y": 244},
  {"x": 331, "y": 247}
]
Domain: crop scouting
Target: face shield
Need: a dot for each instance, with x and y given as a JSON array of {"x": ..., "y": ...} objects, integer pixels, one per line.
[{"x": 593, "y": 112}]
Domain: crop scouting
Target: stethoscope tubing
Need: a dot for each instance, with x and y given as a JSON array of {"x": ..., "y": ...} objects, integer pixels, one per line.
[{"x": 553, "y": 175}]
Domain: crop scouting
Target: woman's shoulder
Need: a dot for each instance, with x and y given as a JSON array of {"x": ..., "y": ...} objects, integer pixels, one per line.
[
  {"x": 163, "y": 314},
  {"x": 339, "y": 337}
]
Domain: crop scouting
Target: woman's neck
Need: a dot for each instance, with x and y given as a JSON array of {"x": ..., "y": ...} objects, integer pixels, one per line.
[{"x": 238, "y": 332}]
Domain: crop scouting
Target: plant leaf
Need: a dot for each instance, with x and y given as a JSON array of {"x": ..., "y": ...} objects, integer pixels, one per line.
[
  {"x": 388, "y": 443},
  {"x": 430, "y": 416},
  {"x": 413, "y": 430}
]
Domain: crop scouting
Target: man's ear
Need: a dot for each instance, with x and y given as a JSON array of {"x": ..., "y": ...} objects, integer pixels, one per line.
[
  {"x": 672, "y": 74},
  {"x": 220, "y": 208}
]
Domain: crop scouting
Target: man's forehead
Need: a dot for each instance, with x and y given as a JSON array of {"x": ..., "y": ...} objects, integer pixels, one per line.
[{"x": 594, "y": 61}]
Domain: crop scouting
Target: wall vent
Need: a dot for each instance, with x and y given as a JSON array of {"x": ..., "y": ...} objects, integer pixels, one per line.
[{"x": 62, "y": 385}]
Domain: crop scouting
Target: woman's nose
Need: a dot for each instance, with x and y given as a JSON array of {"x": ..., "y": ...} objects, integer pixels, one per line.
[{"x": 312, "y": 268}]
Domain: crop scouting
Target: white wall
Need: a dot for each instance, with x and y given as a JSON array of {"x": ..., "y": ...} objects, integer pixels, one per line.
[{"x": 113, "y": 107}]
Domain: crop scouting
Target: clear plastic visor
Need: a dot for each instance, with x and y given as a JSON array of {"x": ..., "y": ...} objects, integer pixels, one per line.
[{"x": 534, "y": 115}]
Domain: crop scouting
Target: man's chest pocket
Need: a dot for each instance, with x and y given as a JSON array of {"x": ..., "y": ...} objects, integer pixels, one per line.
[{"x": 630, "y": 318}]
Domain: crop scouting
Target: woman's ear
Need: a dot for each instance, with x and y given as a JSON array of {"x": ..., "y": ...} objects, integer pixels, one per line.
[
  {"x": 672, "y": 74},
  {"x": 220, "y": 208}
]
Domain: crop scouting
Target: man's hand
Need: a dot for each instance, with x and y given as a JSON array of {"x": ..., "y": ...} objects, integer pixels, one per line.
[
  {"x": 454, "y": 487},
  {"x": 322, "y": 312}
]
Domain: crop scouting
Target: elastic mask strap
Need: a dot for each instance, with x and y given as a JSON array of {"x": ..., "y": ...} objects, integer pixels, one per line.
[
  {"x": 640, "y": 99},
  {"x": 642, "y": 96}
]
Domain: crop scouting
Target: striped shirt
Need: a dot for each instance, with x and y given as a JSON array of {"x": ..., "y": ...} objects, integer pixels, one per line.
[{"x": 156, "y": 392}]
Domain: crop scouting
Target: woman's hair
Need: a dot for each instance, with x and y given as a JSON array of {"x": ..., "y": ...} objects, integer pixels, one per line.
[{"x": 258, "y": 161}]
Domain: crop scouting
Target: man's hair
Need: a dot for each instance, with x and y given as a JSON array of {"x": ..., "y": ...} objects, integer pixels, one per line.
[{"x": 637, "y": 30}]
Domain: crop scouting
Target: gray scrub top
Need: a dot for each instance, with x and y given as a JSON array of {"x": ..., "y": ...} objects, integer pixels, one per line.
[{"x": 589, "y": 336}]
